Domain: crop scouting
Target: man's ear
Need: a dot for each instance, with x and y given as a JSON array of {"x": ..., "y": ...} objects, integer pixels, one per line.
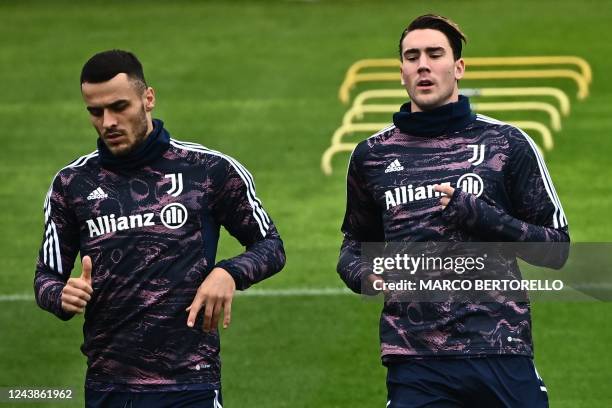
[
  {"x": 149, "y": 99},
  {"x": 459, "y": 68}
]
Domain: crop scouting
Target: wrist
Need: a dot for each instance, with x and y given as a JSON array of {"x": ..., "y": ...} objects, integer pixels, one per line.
[{"x": 228, "y": 267}]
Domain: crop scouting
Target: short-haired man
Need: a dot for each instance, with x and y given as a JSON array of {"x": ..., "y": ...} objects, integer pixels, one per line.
[
  {"x": 449, "y": 354},
  {"x": 144, "y": 210}
]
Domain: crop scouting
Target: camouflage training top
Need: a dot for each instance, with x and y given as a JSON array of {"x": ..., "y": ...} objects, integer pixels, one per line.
[
  {"x": 503, "y": 193},
  {"x": 150, "y": 224}
]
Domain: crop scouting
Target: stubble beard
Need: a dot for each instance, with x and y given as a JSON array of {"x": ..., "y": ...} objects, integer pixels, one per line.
[{"x": 140, "y": 134}]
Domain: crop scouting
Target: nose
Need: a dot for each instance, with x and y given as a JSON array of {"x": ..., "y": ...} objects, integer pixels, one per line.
[
  {"x": 423, "y": 63},
  {"x": 109, "y": 119}
]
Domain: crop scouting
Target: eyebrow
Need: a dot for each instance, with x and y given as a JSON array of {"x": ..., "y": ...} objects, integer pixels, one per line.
[
  {"x": 427, "y": 50},
  {"x": 114, "y": 105}
]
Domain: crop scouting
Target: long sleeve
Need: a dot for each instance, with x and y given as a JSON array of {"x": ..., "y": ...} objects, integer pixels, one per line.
[
  {"x": 238, "y": 209},
  {"x": 58, "y": 251},
  {"x": 362, "y": 223},
  {"x": 536, "y": 215}
]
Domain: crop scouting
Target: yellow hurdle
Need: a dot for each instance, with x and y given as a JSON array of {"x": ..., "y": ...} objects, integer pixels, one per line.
[
  {"x": 326, "y": 165},
  {"x": 337, "y": 146},
  {"x": 580, "y": 73},
  {"x": 357, "y": 111},
  {"x": 555, "y": 116},
  {"x": 582, "y": 77},
  {"x": 559, "y": 95},
  {"x": 545, "y": 133}
]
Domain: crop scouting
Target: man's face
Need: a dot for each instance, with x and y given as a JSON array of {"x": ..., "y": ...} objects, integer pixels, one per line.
[
  {"x": 429, "y": 71},
  {"x": 120, "y": 112}
]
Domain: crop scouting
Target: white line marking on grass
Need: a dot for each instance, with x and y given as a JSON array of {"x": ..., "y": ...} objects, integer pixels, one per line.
[
  {"x": 24, "y": 297},
  {"x": 296, "y": 292},
  {"x": 16, "y": 297}
]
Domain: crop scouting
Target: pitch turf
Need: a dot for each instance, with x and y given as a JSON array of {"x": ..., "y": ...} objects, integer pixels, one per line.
[{"x": 259, "y": 81}]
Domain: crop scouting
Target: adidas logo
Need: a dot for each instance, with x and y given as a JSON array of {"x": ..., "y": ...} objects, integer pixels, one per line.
[
  {"x": 97, "y": 194},
  {"x": 394, "y": 166}
]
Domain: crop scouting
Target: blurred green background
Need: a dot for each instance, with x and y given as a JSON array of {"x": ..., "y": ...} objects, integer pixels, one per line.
[{"x": 258, "y": 80}]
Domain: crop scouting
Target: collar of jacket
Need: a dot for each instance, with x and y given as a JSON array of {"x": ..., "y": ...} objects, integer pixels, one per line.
[
  {"x": 146, "y": 152},
  {"x": 445, "y": 119}
]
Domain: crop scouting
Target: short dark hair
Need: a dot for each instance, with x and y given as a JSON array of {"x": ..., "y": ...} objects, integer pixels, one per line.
[
  {"x": 434, "y": 22},
  {"x": 106, "y": 65}
]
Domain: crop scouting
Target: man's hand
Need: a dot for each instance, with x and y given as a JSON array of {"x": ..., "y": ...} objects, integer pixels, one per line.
[
  {"x": 77, "y": 291},
  {"x": 369, "y": 289},
  {"x": 214, "y": 294},
  {"x": 446, "y": 189}
]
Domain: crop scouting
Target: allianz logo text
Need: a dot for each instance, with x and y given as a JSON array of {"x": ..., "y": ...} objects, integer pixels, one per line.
[
  {"x": 470, "y": 183},
  {"x": 172, "y": 216}
]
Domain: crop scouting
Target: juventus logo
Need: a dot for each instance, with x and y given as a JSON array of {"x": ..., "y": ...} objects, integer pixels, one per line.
[
  {"x": 479, "y": 152},
  {"x": 177, "y": 184}
]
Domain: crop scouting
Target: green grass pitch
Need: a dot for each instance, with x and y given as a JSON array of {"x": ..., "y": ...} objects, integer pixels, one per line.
[{"x": 258, "y": 80}]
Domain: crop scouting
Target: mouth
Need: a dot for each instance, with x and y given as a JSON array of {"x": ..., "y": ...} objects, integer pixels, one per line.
[
  {"x": 424, "y": 84},
  {"x": 113, "y": 137}
]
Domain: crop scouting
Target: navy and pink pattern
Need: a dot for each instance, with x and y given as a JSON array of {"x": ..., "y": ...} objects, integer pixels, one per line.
[
  {"x": 146, "y": 273},
  {"x": 389, "y": 199}
]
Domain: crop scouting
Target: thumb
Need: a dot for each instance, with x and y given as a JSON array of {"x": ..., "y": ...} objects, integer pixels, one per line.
[{"x": 86, "y": 273}]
